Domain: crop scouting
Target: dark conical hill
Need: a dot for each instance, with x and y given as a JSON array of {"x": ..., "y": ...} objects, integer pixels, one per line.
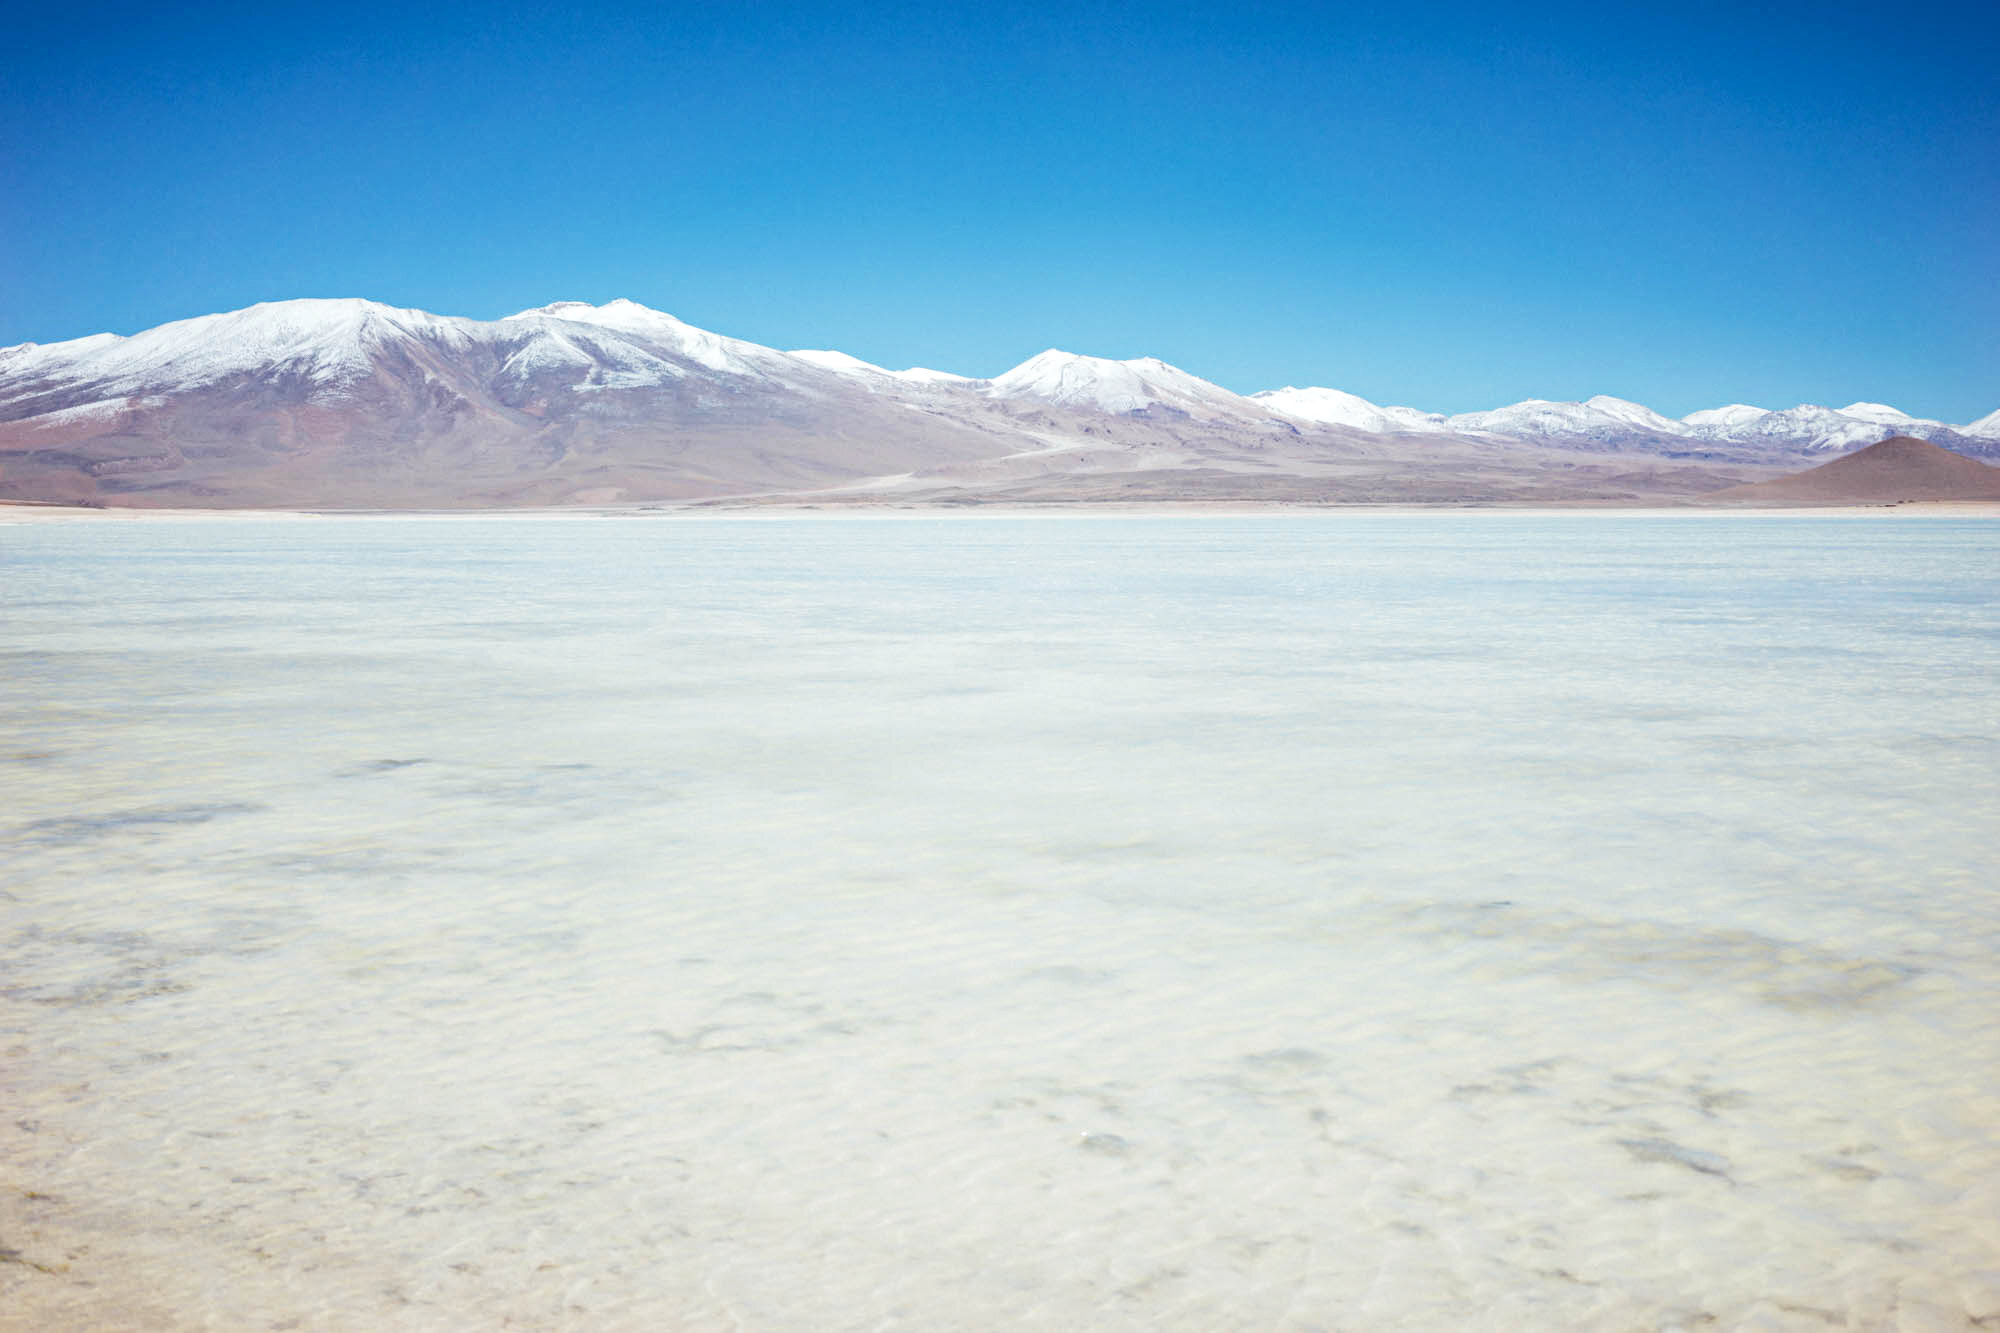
[{"x": 1899, "y": 468}]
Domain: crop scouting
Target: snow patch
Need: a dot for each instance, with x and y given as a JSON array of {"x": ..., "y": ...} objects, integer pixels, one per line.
[{"x": 104, "y": 410}]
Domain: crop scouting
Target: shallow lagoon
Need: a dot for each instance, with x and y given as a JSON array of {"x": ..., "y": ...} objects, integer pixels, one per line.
[{"x": 1356, "y": 921}]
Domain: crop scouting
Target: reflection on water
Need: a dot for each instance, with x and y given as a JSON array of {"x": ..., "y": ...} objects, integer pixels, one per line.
[{"x": 1366, "y": 921}]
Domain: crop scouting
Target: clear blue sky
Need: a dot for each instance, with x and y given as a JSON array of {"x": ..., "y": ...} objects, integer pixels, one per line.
[{"x": 1454, "y": 207}]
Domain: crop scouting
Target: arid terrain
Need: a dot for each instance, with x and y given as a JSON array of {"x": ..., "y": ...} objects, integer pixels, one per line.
[{"x": 1899, "y": 470}]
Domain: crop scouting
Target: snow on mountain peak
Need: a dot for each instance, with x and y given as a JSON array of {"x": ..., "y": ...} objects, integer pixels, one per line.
[
  {"x": 618, "y": 314},
  {"x": 713, "y": 350},
  {"x": 840, "y": 363},
  {"x": 1070, "y": 380},
  {"x": 331, "y": 346},
  {"x": 1879, "y": 412},
  {"x": 29, "y": 360},
  {"x": 1728, "y": 417},
  {"x": 1320, "y": 406},
  {"x": 1335, "y": 407},
  {"x": 1807, "y": 425},
  {"x": 329, "y": 341},
  {"x": 1635, "y": 414},
  {"x": 1601, "y": 417}
]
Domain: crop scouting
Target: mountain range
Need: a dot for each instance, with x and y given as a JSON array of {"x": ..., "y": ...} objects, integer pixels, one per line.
[{"x": 355, "y": 404}]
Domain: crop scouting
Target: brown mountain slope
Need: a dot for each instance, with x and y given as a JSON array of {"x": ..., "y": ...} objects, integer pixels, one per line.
[{"x": 1897, "y": 469}]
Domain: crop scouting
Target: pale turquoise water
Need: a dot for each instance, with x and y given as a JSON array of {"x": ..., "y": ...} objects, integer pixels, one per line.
[{"x": 1362, "y": 921}]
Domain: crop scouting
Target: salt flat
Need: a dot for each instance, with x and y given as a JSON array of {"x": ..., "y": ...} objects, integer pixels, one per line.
[{"x": 1424, "y": 921}]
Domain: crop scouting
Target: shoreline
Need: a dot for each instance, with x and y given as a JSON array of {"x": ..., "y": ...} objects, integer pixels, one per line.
[{"x": 29, "y": 512}]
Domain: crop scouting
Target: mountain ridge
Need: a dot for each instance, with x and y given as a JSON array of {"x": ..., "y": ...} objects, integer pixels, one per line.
[{"x": 345, "y": 400}]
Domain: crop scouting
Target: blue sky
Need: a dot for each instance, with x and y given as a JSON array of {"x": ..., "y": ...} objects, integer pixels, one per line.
[{"x": 1453, "y": 207}]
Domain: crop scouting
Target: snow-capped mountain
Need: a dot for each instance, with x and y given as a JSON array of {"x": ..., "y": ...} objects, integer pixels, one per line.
[
  {"x": 1812, "y": 429},
  {"x": 327, "y": 343},
  {"x": 1880, "y": 413},
  {"x": 1735, "y": 414},
  {"x": 658, "y": 330},
  {"x": 1123, "y": 387},
  {"x": 1601, "y": 418},
  {"x": 1605, "y": 421},
  {"x": 1804, "y": 429},
  {"x": 355, "y": 402},
  {"x": 1333, "y": 407}
]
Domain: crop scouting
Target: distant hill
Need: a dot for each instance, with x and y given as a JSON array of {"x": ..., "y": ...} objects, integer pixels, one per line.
[{"x": 1897, "y": 469}]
